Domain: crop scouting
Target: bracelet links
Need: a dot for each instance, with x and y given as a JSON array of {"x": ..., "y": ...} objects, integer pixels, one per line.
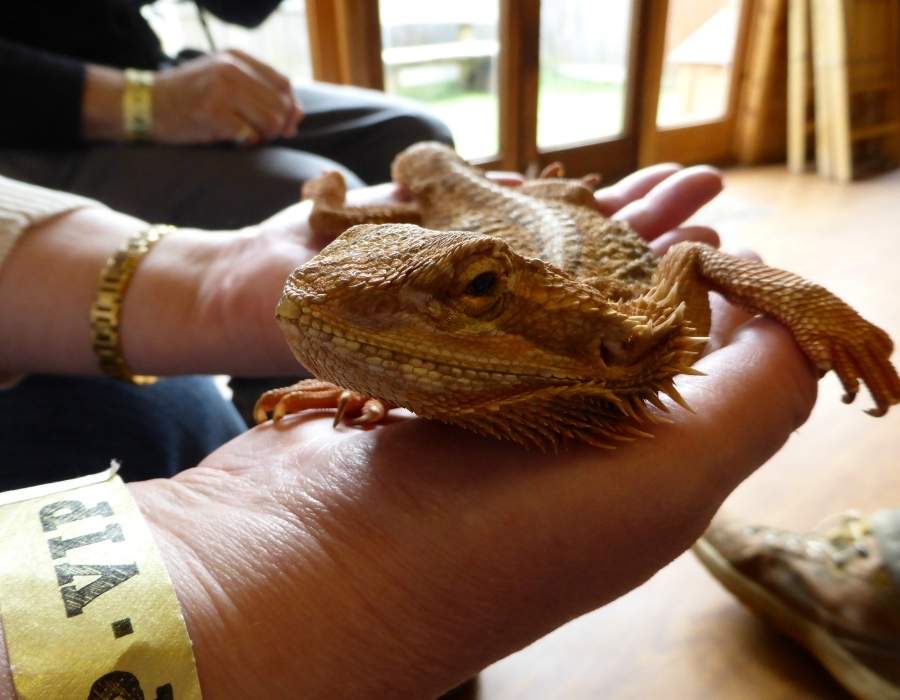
[
  {"x": 137, "y": 104},
  {"x": 106, "y": 310}
]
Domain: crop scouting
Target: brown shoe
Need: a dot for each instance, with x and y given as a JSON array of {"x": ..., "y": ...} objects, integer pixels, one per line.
[{"x": 836, "y": 591}]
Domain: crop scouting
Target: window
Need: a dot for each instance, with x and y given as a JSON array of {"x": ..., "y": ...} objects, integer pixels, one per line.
[
  {"x": 600, "y": 86},
  {"x": 445, "y": 55},
  {"x": 699, "y": 53},
  {"x": 583, "y": 71}
]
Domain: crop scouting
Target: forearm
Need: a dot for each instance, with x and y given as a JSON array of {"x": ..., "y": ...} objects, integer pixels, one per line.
[
  {"x": 101, "y": 104},
  {"x": 184, "y": 311},
  {"x": 47, "y": 285}
]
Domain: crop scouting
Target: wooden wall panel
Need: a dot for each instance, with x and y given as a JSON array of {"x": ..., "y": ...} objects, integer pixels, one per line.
[
  {"x": 761, "y": 118},
  {"x": 345, "y": 42}
]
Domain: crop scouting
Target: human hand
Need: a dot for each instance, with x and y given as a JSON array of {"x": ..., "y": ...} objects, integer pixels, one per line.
[
  {"x": 242, "y": 278},
  {"x": 227, "y": 96},
  {"x": 398, "y": 561}
]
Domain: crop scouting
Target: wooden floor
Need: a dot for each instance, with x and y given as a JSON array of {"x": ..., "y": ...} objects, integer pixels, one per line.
[{"x": 680, "y": 635}]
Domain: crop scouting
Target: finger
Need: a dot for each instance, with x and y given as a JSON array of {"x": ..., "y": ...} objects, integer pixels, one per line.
[
  {"x": 278, "y": 82},
  {"x": 672, "y": 201},
  {"x": 265, "y": 108},
  {"x": 266, "y": 118},
  {"x": 275, "y": 79},
  {"x": 698, "y": 234},
  {"x": 233, "y": 127},
  {"x": 293, "y": 121},
  {"x": 634, "y": 186}
]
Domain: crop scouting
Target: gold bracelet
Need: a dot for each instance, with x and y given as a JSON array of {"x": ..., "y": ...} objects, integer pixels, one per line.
[
  {"x": 137, "y": 104},
  {"x": 107, "y": 307}
]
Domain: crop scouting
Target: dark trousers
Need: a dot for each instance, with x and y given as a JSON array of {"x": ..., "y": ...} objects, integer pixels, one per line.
[
  {"x": 58, "y": 427},
  {"x": 353, "y": 130},
  {"x": 53, "y": 428}
]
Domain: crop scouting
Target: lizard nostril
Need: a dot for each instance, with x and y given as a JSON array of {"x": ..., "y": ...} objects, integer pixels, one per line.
[{"x": 605, "y": 355}]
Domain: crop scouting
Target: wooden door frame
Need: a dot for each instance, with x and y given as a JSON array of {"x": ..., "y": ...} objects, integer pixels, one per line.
[
  {"x": 345, "y": 42},
  {"x": 519, "y": 90},
  {"x": 345, "y": 46},
  {"x": 709, "y": 141}
]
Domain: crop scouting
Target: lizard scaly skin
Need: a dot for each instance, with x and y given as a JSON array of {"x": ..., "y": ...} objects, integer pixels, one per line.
[{"x": 524, "y": 314}]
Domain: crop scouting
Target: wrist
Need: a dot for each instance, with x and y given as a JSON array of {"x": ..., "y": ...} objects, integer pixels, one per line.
[
  {"x": 47, "y": 286},
  {"x": 186, "y": 571},
  {"x": 253, "y": 603},
  {"x": 101, "y": 104},
  {"x": 190, "y": 309},
  {"x": 165, "y": 328}
]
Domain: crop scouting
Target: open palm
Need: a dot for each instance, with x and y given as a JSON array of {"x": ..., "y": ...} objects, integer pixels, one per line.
[{"x": 397, "y": 561}]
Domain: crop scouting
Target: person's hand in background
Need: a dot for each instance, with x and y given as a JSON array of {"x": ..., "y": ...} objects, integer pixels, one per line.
[{"x": 224, "y": 97}]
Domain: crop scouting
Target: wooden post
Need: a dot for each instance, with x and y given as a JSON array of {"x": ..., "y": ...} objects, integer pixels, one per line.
[
  {"x": 345, "y": 42},
  {"x": 798, "y": 83},
  {"x": 520, "y": 27}
]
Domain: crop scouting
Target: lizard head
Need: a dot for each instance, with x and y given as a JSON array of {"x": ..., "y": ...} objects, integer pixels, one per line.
[{"x": 457, "y": 326}]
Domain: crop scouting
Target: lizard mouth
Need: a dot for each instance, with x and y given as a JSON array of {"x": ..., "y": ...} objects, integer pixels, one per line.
[
  {"x": 453, "y": 367},
  {"x": 395, "y": 356}
]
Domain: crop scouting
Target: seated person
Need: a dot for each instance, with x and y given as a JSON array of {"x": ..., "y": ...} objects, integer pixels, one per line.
[{"x": 63, "y": 74}]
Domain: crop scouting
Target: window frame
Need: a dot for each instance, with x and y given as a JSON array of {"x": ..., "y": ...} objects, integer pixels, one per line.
[{"x": 345, "y": 47}]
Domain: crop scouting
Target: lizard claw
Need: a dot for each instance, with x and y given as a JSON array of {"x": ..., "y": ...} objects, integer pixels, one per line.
[
  {"x": 372, "y": 412},
  {"x": 313, "y": 393},
  {"x": 342, "y": 403},
  {"x": 864, "y": 358}
]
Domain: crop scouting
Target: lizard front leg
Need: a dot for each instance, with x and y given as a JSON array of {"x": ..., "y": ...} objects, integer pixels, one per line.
[
  {"x": 330, "y": 215},
  {"x": 552, "y": 184},
  {"x": 357, "y": 408},
  {"x": 828, "y": 331}
]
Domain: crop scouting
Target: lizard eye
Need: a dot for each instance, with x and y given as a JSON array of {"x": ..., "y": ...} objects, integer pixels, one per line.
[
  {"x": 479, "y": 288},
  {"x": 482, "y": 285}
]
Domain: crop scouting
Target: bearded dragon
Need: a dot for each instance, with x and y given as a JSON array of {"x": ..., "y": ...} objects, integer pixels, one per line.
[{"x": 523, "y": 313}]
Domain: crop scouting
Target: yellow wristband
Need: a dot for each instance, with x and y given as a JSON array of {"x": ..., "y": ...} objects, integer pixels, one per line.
[
  {"x": 137, "y": 104},
  {"x": 88, "y": 608}
]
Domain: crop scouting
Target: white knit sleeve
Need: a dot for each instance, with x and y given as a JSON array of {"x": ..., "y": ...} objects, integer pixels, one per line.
[{"x": 23, "y": 205}]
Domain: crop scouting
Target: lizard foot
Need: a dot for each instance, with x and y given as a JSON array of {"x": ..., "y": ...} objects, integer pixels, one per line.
[
  {"x": 557, "y": 170},
  {"x": 356, "y": 408},
  {"x": 856, "y": 351}
]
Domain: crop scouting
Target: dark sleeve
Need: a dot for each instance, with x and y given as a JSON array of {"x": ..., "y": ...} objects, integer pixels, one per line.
[
  {"x": 247, "y": 13},
  {"x": 41, "y": 97}
]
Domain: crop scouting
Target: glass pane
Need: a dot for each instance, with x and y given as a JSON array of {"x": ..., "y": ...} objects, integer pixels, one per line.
[
  {"x": 445, "y": 55},
  {"x": 699, "y": 53},
  {"x": 584, "y": 67},
  {"x": 282, "y": 40}
]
